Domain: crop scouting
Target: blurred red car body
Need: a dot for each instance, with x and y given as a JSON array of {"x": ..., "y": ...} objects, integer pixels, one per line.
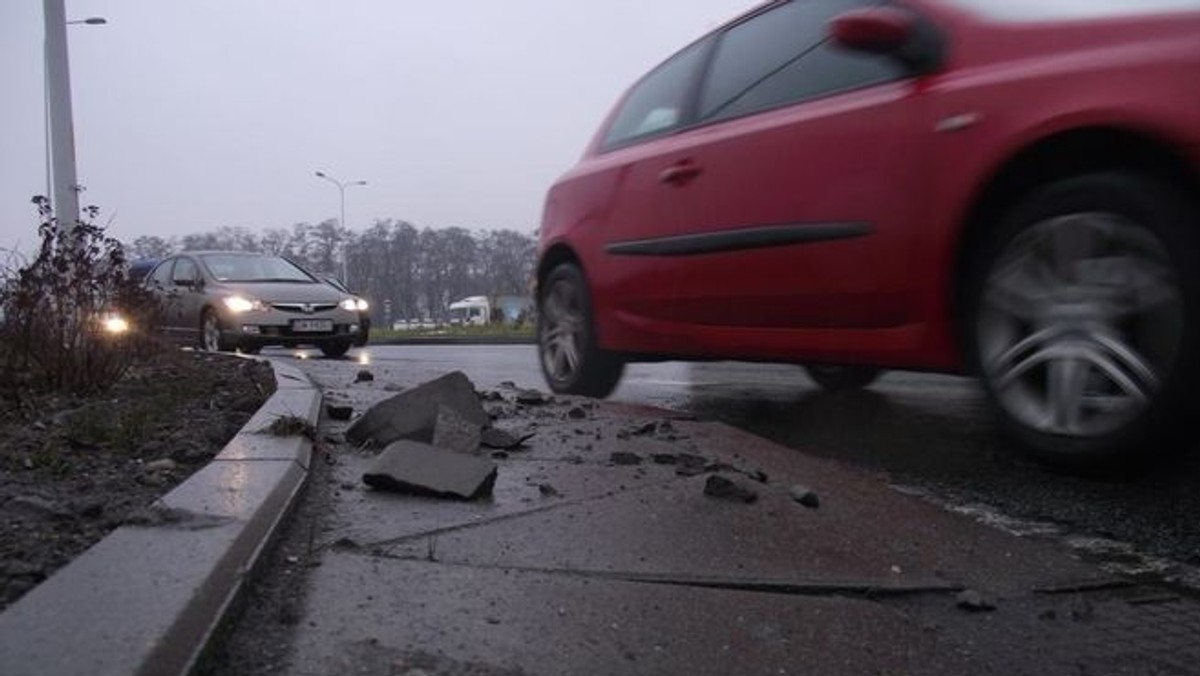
[{"x": 856, "y": 185}]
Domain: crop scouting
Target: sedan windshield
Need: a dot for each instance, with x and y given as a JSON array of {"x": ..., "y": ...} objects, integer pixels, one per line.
[
  {"x": 1050, "y": 10},
  {"x": 241, "y": 268}
]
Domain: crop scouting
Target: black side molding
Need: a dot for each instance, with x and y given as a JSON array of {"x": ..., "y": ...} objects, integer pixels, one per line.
[{"x": 738, "y": 240}]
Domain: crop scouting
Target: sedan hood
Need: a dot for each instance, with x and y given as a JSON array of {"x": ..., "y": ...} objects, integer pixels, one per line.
[{"x": 282, "y": 292}]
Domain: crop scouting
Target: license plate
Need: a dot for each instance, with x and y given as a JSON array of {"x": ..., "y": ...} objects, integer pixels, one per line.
[{"x": 312, "y": 325}]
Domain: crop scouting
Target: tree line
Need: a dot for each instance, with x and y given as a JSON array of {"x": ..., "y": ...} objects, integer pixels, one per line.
[{"x": 403, "y": 271}]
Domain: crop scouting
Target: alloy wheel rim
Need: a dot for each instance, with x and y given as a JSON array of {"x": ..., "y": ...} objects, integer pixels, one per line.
[
  {"x": 562, "y": 331},
  {"x": 1081, "y": 320}
]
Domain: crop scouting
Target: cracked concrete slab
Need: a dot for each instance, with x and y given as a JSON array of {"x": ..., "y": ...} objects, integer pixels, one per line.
[
  {"x": 369, "y": 516},
  {"x": 365, "y": 611}
]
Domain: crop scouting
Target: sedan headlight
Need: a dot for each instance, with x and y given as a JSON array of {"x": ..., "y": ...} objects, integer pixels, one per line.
[
  {"x": 355, "y": 305},
  {"x": 242, "y": 304},
  {"x": 114, "y": 323}
]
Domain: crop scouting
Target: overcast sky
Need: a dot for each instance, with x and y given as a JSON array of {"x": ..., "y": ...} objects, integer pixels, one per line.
[{"x": 195, "y": 114}]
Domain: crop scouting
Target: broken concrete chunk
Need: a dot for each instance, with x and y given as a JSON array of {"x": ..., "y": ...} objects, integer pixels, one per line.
[
  {"x": 973, "y": 601},
  {"x": 532, "y": 398},
  {"x": 805, "y": 496},
  {"x": 624, "y": 458},
  {"x": 364, "y": 376},
  {"x": 412, "y": 414},
  {"x": 163, "y": 465},
  {"x": 421, "y": 469},
  {"x": 339, "y": 412},
  {"x": 495, "y": 437},
  {"x": 722, "y": 488},
  {"x": 454, "y": 432}
]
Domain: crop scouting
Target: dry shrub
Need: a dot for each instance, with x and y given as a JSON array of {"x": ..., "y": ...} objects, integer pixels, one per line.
[{"x": 52, "y": 333}]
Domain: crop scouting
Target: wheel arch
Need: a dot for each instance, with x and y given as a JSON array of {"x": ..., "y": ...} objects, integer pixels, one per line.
[
  {"x": 554, "y": 256},
  {"x": 1060, "y": 155}
]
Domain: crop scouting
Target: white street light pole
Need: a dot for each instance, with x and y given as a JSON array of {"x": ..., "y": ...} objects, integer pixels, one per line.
[
  {"x": 341, "y": 186},
  {"x": 65, "y": 197},
  {"x": 91, "y": 21}
]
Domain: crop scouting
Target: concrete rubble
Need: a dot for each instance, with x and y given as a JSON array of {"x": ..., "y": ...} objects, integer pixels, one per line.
[
  {"x": 413, "y": 413},
  {"x": 422, "y": 469},
  {"x": 432, "y": 436}
]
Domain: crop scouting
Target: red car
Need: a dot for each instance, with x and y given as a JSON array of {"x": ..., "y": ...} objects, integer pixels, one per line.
[{"x": 1005, "y": 188}]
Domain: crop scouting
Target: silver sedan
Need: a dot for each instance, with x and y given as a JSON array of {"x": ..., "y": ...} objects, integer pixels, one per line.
[{"x": 224, "y": 300}]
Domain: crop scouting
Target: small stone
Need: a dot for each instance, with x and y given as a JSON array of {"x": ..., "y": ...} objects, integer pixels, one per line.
[
  {"x": 624, "y": 458},
  {"x": 508, "y": 385},
  {"x": 531, "y": 398},
  {"x": 348, "y": 485},
  {"x": 548, "y": 491},
  {"x": 88, "y": 508},
  {"x": 339, "y": 412},
  {"x": 757, "y": 475},
  {"x": 500, "y": 455},
  {"x": 364, "y": 376},
  {"x": 163, "y": 465},
  {"x": 972, "y": 601},
  {"x": 495, "y": 437},
  {"x": 805, "y": 496},
  {"x": 577, "y": 413},
  {"x": 664, "y": 459},
  {"x": 643, "y": 430},
  {"x": 36, "y": 506},
  {"x": 723, "y": 488}
]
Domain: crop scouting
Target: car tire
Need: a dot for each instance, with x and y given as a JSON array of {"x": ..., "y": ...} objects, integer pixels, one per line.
[
  {"x": 335, "y": 350},
  {"x": 570, "y": 357},
  {"x": 210, "y": 332},
  {"x": 842, "y": 377},
  {"x": 1082, "y": 319}
]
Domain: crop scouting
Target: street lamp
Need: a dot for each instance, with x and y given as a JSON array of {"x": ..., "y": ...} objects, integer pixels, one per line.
[
  {"x": 60, "y": 126},
  {"x": 341, "y": 186}
]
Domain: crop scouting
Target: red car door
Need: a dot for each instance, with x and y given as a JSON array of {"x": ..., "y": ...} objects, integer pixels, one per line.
[{"x": 788, "y": 203}]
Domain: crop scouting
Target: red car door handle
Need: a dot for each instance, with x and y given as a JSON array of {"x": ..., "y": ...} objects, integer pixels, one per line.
[{"x": 679, "y": 174}]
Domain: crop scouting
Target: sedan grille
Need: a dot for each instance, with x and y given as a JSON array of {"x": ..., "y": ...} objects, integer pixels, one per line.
[{"x": 304, "y": 308}]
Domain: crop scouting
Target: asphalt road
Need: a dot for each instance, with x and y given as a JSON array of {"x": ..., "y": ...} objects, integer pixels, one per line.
[{"x": 925, "y": 433}]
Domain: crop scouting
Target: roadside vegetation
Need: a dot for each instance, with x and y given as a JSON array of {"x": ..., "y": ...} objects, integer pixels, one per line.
[
  {"x": 98, "y": 417},
  {"x": 71, "y": 321}
]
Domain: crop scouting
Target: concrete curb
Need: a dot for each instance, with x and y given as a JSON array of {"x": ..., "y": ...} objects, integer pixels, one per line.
[{"x": 146, "y": 599}]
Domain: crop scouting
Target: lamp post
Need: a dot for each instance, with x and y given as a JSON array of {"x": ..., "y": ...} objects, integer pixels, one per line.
[
  {"x": 341, "y": 186},
  {"x": 60, "y": 127},
  {"x": 46, "y": 103}
]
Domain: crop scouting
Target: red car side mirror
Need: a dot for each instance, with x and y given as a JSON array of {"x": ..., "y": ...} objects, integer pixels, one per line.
[{"x": 879, "y": 30}]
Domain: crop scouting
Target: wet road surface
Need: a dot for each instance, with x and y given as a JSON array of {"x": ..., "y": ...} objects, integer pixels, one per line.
[{"x": 929, "y": 434}]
